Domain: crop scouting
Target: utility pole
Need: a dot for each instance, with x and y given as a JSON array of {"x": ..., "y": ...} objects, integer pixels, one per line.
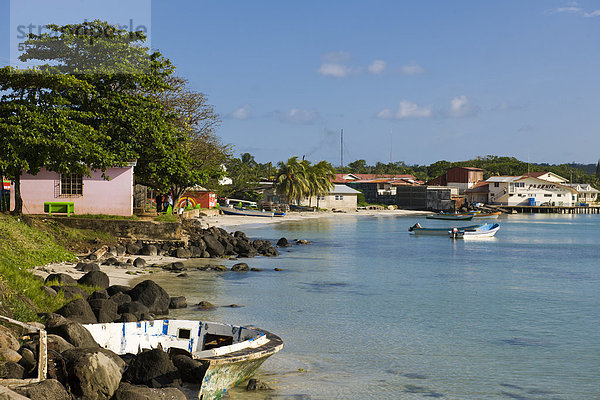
[
  {"x": 391, "y": 144},
  {"x": 342, "y": 149}
]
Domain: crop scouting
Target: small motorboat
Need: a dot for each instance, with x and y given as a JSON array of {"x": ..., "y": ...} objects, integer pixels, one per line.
[
  {"x": 483, "y": 231},
  {"x": 229, "y": 353},
  {"x": 417, "y": 229},
  {"x": 246, "y": 212},
  {"x": 493, "y": 215},
  {"x": 453, "y": 217}
]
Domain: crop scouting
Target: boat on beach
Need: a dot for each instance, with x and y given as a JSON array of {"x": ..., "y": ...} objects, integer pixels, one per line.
[
  {"x": 483, "y": 231},
  {"x": 247, "y": 212},
  {"x": 453, "y": 217},
  {"x": 229, "y": 353},
  {"x": 417, "y": 229}
]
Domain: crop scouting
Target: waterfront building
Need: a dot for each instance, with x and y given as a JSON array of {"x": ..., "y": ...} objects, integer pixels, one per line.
[
  {"x": 529, "y": 190},
  {"x": 462, "y": 178},
  {"x": 586, "y": 193},
  {"x": 89, "y": 195}
]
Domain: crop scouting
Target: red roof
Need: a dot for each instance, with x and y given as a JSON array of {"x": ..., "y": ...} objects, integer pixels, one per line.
[{"x": 339, "y": 178}]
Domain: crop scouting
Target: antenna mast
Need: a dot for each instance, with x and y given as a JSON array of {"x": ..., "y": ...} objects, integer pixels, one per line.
[
  {"x": 391, "y": 144},
  {"x": 342, "y": 149}
]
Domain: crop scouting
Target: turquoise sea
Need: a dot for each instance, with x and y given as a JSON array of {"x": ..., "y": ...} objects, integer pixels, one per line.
[{"x": 370, "y": 312}]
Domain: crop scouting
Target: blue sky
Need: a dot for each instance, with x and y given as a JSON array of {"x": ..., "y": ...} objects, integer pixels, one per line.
[{"x": 435, "y": 79}]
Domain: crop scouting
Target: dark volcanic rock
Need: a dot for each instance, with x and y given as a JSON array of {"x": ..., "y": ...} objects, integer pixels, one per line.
[
  {"x": 114, "y": 289},
  {"x": 205, "y": 305},
  {"x": 94, "y": 373},
  {"x": 111, "y": 261},
  {"x": 183, "y": 253},
  {"x": 177, "y": 302},
  {"x": 270, "y": 252},
  {"x": 149, "y": 250},
  {"x": 240, "y": 267},
  {"x": 99, "y": 294},
  {"x": 139, "y": 262},
  {"x": 49, "y": 291},
  {"x": 255, "y": 384},
  {"x": 153, "y": 368},
  {"x": 121, "y": 298},
  {"x": 44, "y": 390},
  {"x": 126, "y": 317},
  {"x": 135, "y": 307},
  {"x": 87, "y": 267},
  {"x": 63, "y": 279},
  {"x": 11, "y": 370},
  {"x": 95, "y": 278},
  {"x": 152, "y": 296},
  {"x": 104, "y": 309},
  {"x": 191, "y": 370},
  {"x": 78, "y": 310},
  {"x": 283, "y": 242},
  {"x": 213, "y": 246},
  {"x": 74, "y": 333},
  {"x": 133, "y": 248}
]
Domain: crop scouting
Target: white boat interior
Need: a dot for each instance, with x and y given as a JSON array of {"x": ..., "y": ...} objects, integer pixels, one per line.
[{"x": 201, "y": 339}]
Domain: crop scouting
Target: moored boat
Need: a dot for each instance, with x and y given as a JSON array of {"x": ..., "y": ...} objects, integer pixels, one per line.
[
  {"x": 230, "y": 353},
  {"x": 493, "y": 215},
  {"x": 246, "y": 212},
  {"x": 417, "y": 229},
  {"x": 453, "y": 217},
  {"x": 483, "y": 231}
]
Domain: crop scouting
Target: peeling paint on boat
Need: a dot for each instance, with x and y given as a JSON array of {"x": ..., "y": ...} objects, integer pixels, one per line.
[{"x": 227, "y": 365}]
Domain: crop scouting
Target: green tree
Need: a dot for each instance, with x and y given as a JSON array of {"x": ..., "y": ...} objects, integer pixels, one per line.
[{"x": 292, "y": 179}]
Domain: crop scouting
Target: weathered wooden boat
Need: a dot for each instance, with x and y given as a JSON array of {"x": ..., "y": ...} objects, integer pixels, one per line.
[
  {"x": 229, "y": 353},
  {"x": 484, "y": 231},
  {"x": 275, "y": 213},
  {"x": 417, "y": 229},
  {"x": 246, "y": 212},
  {"x": 453, "y": 217},
  {"x": 493, "y": 215}
]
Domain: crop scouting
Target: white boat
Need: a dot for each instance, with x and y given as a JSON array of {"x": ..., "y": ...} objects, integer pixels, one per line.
[
  {"x": 230, "y": 353},
  {"x": 484, "y": 231},
  {"x": 417, "y": 229}
]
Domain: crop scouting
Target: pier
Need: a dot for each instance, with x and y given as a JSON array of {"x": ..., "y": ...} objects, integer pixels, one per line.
[{"x": 592, "y": 209}]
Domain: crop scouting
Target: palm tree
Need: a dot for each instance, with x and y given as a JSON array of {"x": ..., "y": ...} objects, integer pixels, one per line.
[
  {"x": 292, "y": 179},
  {"x": 323, "y": 174}
]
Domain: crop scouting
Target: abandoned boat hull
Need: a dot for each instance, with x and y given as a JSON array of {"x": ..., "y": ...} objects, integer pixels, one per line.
[{"x": 230, "y": 353}]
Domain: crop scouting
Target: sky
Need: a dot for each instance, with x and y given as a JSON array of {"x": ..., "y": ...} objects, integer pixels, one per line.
[{"x": 412, "y": 81}]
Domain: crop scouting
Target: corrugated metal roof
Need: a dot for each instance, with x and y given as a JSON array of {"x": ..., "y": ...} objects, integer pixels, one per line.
[
  {"x": 343, "y": 189},
  {"x": 503, "y": 178}
]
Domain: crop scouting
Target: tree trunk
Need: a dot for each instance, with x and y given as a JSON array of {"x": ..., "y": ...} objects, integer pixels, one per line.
[{"x": 18, "y": 199}]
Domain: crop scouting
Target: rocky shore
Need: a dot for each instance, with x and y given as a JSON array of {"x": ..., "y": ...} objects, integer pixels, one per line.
[{"x": 99, "y": 289}]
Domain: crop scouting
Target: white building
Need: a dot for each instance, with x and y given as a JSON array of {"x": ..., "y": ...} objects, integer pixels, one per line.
[
  {"x": 341, "y": 197},
  {"x": 541, "y": 189},
  {"x": 586, "y": 193}
]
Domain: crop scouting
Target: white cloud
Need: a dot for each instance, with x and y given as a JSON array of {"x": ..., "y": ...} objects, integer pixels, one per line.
[
  {"x": 406, "y": 109},
  {"x": 335, "y": 70},
  {"x": 299, "y": 116},
  {"x": 413, "y": 69},
  {"x": 574, "y": 8},
  {"x": 377, "y": 67},
  {"x": 336, "y": 57},
  {"x": 460, "y": 107},
  {"x": 241, "y": 113}
]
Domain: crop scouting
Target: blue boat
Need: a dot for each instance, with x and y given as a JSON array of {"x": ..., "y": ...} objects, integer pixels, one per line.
[{"x": 417, "y": 229}]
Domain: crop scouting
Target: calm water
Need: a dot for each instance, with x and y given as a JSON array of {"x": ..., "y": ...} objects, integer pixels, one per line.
[{"x": 369, "y": 311}]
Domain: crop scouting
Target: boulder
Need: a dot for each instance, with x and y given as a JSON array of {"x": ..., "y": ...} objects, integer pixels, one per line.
[
  {"x": 87, "y": 267},
  {"x": 114, "y": 289},
  {"x": 220, "y": 268},
  {"x": 44, "y": 390},
  {"x": 121, "y": 298},
  {"x": 57, "y": 343},
  {"x": 139, "y": 262},
  {"x": 245, "y": 249},
  {"x": 71, "y": 292},
  {"x": 27, "y": 360},
  {"x": 99, "y": 294},
  {"x": 255, "y": 384},
  {"x": 133, "y": 248},
  {"x": 10, "y": 355},
  {"x": 152, "y": 296},
  {"x": 182, "y": 252},
  {"x": 74, "y": 333},
  {"x": 283, "y": 242},
  {"x": 111, "y": 261},
  {"x": 104, "y": 309},
  {"x": 213, "y": 246},
  {"x": 127, "y": 391},
  {"x": 149, "y": 250},
  {"x": 135, "y": 307},
  {"x": 240, "y": 267},
  {"x": 205, "y": 305},
  {"x": 196, "y": 251},
  {"x": 8, "y": 340},
  {"x": 11, "y": 370},
  {"x": 61, "y": 278},
  {"x": 78, "y": 310},
  {"x": 49, "y": 291},
  {"x": 191, "y": 370},
  {"x": 95, "y": 278},
  {"x": 120, "y": 250},
  {"x": 53, "y": 319},
  {"x": 240, "y": 235},
  {"x": 127, "y": 317},
  {"x": 177, "y": 302},
  {"x": 153, "y": 368},
  {"x": 93, "y": 374}
]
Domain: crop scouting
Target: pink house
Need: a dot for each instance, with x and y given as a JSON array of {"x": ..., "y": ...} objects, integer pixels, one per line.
[{"x": 90, "y": 195}]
